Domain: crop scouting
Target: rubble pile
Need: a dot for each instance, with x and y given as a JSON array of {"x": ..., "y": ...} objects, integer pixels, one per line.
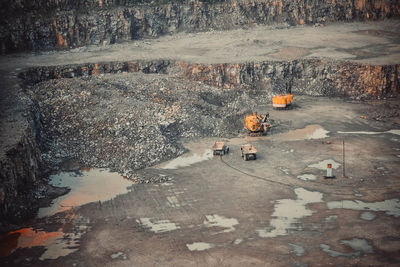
[{"x": 130, "y": 121}]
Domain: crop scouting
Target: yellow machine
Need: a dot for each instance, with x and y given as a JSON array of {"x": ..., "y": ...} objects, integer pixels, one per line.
[
  {"x": 282, "y": 101},
  {"x": 256, "y": 125}
]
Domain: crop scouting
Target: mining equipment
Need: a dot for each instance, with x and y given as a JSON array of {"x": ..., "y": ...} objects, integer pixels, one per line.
[
  {"x": 282, "y": 101},
  {"x": 219, "y": 148},
  {"x": 256, "y": 125},
  {"x": 248, "y": 152}
]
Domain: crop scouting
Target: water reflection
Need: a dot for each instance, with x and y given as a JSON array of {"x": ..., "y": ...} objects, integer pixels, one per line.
[{"x": 91, "y": 185}]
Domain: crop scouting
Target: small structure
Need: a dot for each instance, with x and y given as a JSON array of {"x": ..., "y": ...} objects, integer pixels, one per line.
[
  {"x": 248, "y": 152},
  {"x": 329, "y": 172},
  {"x": 219, "y": 148}
]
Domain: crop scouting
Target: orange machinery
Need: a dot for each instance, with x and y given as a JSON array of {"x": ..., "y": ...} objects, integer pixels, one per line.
[
  {"x": 256, "y": 125},
  {"x": 282, "y": 101}
]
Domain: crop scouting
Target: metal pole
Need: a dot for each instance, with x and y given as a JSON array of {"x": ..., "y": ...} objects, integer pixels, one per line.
[{"x": 344, "y": 166}]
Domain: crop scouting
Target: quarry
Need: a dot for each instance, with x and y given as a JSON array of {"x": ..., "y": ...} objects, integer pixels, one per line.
[{"x": 110, "y": 109}]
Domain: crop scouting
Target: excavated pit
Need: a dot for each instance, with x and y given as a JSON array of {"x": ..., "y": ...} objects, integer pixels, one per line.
[
  {"x": 199, "y": 89},
  {"x": 130, "y": 106}
]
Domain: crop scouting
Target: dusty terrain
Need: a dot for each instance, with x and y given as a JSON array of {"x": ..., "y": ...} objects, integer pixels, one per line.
[
  {"x": 277, "y": 210},
  {"x": 374, "y": 43}
]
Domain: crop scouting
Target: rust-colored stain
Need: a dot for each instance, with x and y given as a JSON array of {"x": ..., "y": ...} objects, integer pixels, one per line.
[
  {"x": 85, "y": 169},
  {"x": 61, "y": 42},
  {"x": 157, "y": 99},
  {"x": 360, "y": 4},
  {"x": 95, "y": 70},
  {"x": 26, "y": 238},
  {"x": 133, "y": 66},
  {"x": 370, "y": 80},
  {"x": 220, "y": 75}
]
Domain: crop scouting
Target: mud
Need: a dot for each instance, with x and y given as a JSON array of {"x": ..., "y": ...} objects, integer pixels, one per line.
[
  {"x": 87, "y": 186},
  {"x": 234, "y": 210},
  {"x": 288, "y": 211},
  {"x": 308, "y": 133},
  {"x": 188, "y": 159},
  {"x": 221, "y": 222},
  {"x": 307, "y": 177},
  {"x": 158, "y": 226},
  {"x": 390, "y": 207},
  {"x": 199, "y": 246}
]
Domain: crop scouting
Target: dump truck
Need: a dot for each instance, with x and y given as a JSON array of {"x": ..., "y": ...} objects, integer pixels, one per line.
[
  {"x": 219, "y": 148},
  {"x": 282, "y": 101},
  {"x": 248, "y": 152},
  {"x": 256, "y": 125}
]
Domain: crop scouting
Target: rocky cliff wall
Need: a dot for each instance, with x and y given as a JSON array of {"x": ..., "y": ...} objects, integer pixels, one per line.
[
  {"x": 20, "y": 174},
  {"x": 62, "y": 24},
  {"x": 308, "y": 77},
  {"x": 21, "y": 165}
]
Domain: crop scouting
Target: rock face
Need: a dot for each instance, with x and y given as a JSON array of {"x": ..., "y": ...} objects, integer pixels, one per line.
[
  {"x": 313, "y": 77},
  {"x": 20, "y": 174},
  {"x": 21, "y": 165},
  {"x": 62, "y": 24},
  {"x": 308, "y": 77}
]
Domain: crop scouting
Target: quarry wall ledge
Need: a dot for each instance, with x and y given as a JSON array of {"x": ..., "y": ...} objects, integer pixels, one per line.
[
  {"x": 312, "y": 77},
  {"x": 48, "y": 25}
]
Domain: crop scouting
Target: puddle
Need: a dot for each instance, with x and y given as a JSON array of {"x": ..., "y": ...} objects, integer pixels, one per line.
[
  {"x": 199, "y": 246},
  {"x": 173, "y": 201},
  {"x": 331, "y": 218},
  {"x": 308, "y": 133},
  {"x": 357, "y": 244},
  {"x": 307, "y": 177},
  {"x": 119, "y": 255},
  {"x": 238, "y": 241},
  {"x": 368, "y": 216},
  {"x": 288, "y": 212},
  {"x": 57, "y": 244},
  {"x": 27, "y": 238},
  {"x": 397, "y": 132},
  {"x": 324, "y": 163},
  {"x": 188, "y": 159},
  {"x": 333, "y": 253},
  {"x": 158, "y": 226},
  {"x": 390, "y": 207},
  {"x": 221, "y": 221},
  {"x": 297, "y": 249},
  {"x": 93, "y": 185},
  {"x": 360, "y": 246},
  {"x": 284, "y": 170},
  {"x": 357, "y": 193}
]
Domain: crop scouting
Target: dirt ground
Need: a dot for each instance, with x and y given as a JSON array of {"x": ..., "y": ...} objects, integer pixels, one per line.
[
  {"x": 374, "y": 43},
  {"x": 278, "y": 210}
]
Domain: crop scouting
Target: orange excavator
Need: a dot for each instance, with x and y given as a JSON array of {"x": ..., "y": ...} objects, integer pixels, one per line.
[{"x": 256, "y": 125}]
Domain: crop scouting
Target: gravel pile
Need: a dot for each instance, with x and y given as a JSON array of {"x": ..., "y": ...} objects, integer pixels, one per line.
[{"x": 130, "y": 121}]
